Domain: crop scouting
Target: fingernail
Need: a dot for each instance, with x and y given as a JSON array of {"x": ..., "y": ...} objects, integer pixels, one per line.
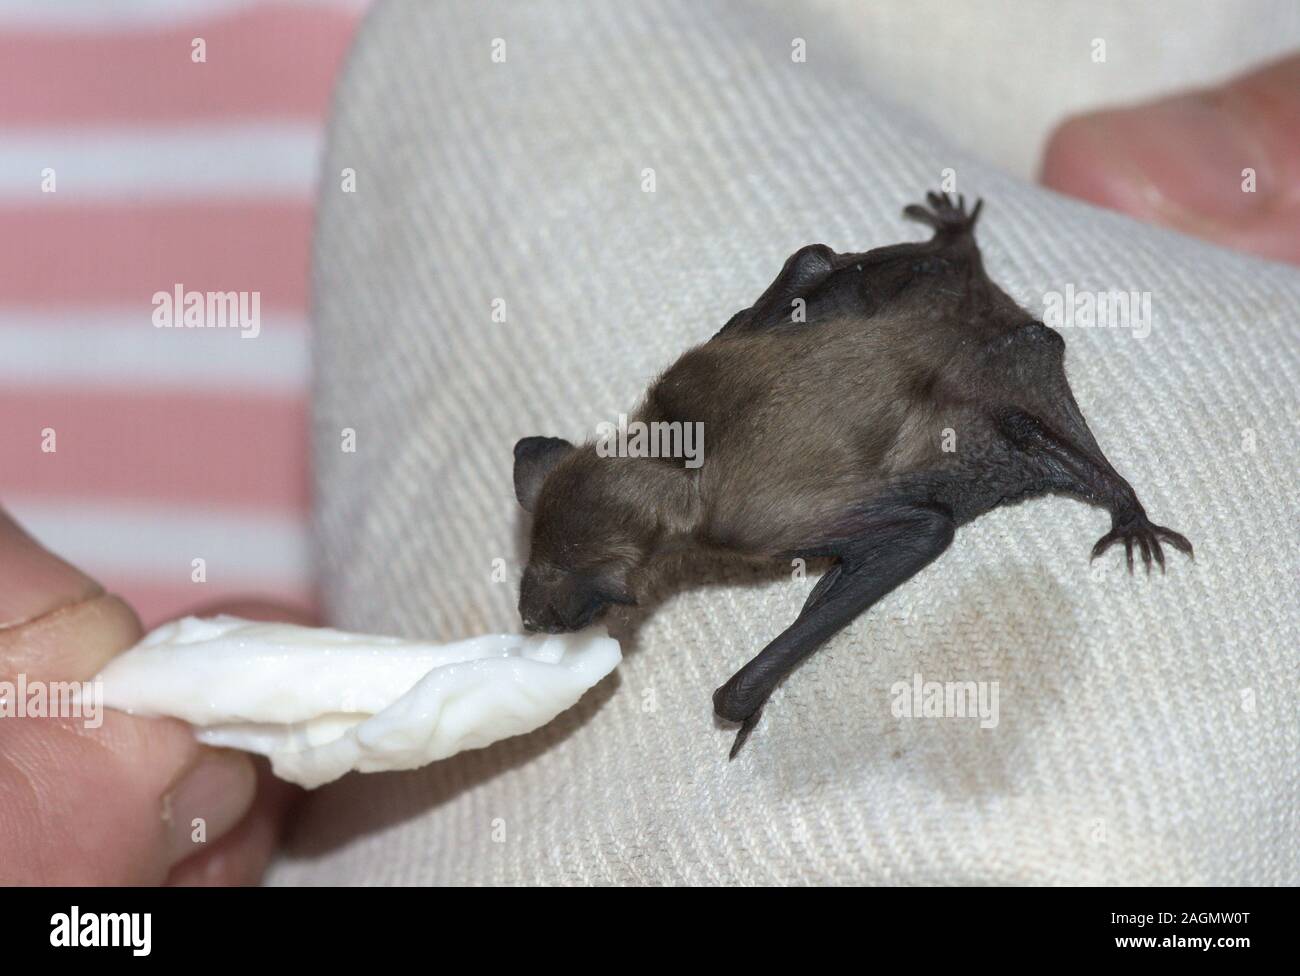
[
  {"x": 1193, "y": 157},
  {"x": 208, "y": 801},
  {"x": 34, "y": 581}
]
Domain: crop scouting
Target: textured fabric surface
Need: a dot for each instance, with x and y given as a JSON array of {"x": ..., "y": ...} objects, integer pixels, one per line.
[
  {"x": 1148, "y": 727},
  {"x": 997, "y": 75}
]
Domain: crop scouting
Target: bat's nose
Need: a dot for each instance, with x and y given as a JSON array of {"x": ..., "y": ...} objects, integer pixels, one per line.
[{"x": 544, "y": 621}]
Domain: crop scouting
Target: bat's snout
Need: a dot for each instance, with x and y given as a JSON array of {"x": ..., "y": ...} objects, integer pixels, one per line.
[
  {"x": 559, "y": 605},
  {"x": 543, "y": 622}
]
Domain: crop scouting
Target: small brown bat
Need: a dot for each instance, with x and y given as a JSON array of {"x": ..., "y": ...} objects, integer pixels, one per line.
[{"x": 824, "y": 437}]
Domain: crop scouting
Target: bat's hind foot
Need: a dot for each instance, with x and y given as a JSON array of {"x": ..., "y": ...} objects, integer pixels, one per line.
[
  {"x": 1136, "y": 530},
  {"x": 945, "y": 215}
]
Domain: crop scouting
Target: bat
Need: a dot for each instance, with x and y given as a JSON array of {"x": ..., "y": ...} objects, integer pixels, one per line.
[{"x": 864, "y": 408}]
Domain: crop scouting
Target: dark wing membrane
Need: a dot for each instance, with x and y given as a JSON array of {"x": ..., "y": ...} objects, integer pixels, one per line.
[
  {"x": 804, "y": 270},
  {"x": 876, "y": 276}
]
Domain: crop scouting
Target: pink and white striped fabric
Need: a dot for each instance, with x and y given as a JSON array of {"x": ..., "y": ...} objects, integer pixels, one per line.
[{"x": 126, "y": 168}]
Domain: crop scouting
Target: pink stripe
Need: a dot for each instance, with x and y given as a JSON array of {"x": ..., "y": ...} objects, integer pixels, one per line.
[
  {"x": 157, "y": 601},
  {"x": 122, "y": 253},
  {"x": 273, "y": 61},
  {"x": 245, "y": 452}
]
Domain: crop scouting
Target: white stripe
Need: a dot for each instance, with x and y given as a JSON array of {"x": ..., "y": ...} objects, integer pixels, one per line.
[
  {"x": 112, "y": 349},
  {"x": 117, "y": 16},
  {"x": 98, "y": 162},
  {"x": 159, "y": 542}
]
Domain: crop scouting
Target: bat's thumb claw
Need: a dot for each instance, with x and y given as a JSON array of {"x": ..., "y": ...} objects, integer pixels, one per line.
[{"x": 746, "y": 727}]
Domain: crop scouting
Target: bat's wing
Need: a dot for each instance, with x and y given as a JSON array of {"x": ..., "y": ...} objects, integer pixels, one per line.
[
  {"x": 804, "y": 271},
  {"x": 897, "y": 543},
  {"x": 828, "y": 281},
  {"x": 1038, "y": 413}
]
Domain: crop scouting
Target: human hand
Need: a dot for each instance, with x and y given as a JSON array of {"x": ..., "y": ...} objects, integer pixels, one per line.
[
  {"x": 1179, "y": 161},
  {"x": 131, "y": 801}
]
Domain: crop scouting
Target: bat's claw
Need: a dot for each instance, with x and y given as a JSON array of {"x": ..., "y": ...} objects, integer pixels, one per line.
[
  {"x": 945, "y": 214},
  {"x": 737, "y": 702},
  {"x": 1137, "y": 530},
  {"x": 746, "y": 727}
]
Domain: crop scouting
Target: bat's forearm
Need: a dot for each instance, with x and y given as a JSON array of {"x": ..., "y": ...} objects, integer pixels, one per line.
[
  {"x": 888, "y": 555},
  {"x": 1079, "y": 469}
]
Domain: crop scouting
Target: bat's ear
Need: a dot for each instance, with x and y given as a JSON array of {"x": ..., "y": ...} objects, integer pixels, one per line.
[{"x": 535, "y": 457}]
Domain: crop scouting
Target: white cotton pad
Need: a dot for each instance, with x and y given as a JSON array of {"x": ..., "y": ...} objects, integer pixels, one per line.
[{"x": 322, "y": 702}]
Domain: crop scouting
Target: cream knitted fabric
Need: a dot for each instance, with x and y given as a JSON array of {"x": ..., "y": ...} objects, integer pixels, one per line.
[
  {"x": 996, "y": 75},
  {"x": 1147, "y": 728}
]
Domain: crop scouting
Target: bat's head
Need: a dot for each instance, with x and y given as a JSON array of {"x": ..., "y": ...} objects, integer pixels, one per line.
[{"x": 594, "y": 529}]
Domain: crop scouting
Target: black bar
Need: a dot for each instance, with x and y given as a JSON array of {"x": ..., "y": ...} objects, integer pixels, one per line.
[{"x": 332, "y": 926}]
